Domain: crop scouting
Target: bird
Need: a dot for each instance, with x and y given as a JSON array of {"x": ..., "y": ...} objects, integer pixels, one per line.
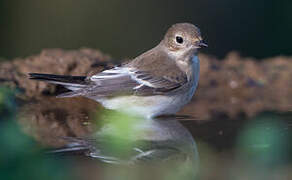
[{"x": 158, "y": 82}]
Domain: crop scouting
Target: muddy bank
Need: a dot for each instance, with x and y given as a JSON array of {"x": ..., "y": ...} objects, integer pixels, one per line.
[{"x": 231, "y": 87}]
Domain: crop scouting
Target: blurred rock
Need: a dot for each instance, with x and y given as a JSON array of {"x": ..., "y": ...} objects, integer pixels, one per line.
[
  {"x": 56, "y": 61},
  {"x": 242, "y": 86}
]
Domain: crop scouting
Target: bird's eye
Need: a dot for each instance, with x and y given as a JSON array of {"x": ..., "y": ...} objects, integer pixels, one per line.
[{"x": 179, "y": 39}]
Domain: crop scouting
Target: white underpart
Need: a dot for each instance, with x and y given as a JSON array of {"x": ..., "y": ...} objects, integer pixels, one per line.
[{"x": 149, "y": 106}]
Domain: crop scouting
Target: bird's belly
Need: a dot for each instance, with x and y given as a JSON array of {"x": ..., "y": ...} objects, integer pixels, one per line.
[{"x": 147, "y": 106}]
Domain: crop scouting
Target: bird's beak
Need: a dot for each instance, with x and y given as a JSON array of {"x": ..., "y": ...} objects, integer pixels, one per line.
[{"x": 200, "y": 44}]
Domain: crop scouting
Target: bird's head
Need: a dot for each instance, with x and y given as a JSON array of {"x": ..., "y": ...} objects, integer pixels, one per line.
[{"x": 183, "y": 39}]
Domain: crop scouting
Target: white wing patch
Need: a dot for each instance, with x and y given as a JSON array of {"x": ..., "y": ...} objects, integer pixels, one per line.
[
  {"x": 110, "y": 74},
  {"x": 120, "y": 72},
  {"x": 140, "y": 81}
]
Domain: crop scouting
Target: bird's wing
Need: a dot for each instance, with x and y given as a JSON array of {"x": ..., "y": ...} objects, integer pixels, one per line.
[
  {"x": 128, "y": 80},
  {"x": 157, "y": 69},
  {"x": 152, "y": 73}
]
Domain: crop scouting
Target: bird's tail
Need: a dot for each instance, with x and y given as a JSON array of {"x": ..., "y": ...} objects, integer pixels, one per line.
[{"x": 73, "y": 83}]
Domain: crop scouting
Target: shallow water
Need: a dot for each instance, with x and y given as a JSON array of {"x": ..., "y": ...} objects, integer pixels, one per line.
[
  {"x": 226, "y": 146},
  {"x": 220, "y": 134},
  {"x": 244, "y": 147},
  {"x": 223, "y": 134}
]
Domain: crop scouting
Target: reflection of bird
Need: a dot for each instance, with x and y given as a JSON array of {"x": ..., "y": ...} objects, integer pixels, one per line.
[
  {"x": 159, "y": 140},
  {"x": 158, "y": 82}
]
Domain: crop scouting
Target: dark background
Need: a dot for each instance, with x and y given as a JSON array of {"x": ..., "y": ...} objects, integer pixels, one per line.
[{"x": 257, "y": 28}]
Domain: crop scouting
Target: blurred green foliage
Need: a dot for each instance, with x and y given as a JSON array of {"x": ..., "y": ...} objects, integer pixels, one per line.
[
  {"x": 20, "y": 156},
  {"x": 264, "y": 141},
  {"x": 120, "y": 131},
  {"x": 262, "y": 147},
  {"x": 7, "y": 104}
]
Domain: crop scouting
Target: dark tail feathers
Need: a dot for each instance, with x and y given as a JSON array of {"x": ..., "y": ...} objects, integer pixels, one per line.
[
  {"x": 58, "y": 78},
  {"x": 72, "y": 83}
]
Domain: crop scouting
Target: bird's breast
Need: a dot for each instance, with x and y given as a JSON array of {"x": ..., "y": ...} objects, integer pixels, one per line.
[{"x": 193, "y": 76}]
